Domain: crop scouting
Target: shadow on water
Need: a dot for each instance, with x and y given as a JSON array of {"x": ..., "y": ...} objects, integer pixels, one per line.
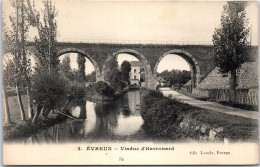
[{"x": 118, "y": 120}]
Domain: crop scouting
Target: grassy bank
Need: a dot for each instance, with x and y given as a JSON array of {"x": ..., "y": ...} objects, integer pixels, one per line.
[
  {"x": 22, "y": 129},
  {"x": 14, "y": 108},
  {"x": 19, "y": 129},
  {"x": 170, "y": 118}
]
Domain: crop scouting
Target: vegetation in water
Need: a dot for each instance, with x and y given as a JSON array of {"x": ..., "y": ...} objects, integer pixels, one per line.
[{"x": 99, "y": 90}]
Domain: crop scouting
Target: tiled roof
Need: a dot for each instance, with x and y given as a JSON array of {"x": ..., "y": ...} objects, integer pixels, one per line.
[
  {"x": 161, "y": 79},
  {"x": 247, "y": 77},
  {"x": 135, "y": 63},
  {"x": 188, "y": 83}
]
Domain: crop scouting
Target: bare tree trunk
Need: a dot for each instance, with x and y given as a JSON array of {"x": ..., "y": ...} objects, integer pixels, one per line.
[
  {"x": 233, "y": 84},
  {"x": 46, "y": 113},
  {"x": 57, "y": 133},
  {"x": 20, "y": 102},
  {"x": 6, "y": 107},
  {"x": 37, "y": 113},
  {"x": 25, "y": 65},
  {"x": 30, "y": 106},
  {"x": 42, "y": 111},
  {"x": 16, "y": 58}
]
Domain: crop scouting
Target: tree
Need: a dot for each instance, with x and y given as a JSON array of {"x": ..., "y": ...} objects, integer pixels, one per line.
[
  {"x": 45, "y": 45},
  {"x": 112, "y": 74},
  {"x": 47, "y": 34},
  {"x": 6, "y": 107},
  {"x": 81, "y": 64},
  {"x": 14, "y": 43},
  {"x": 125, "y": 69},
  {"x": 49, "y": 92},
  {"x": 231, "y": 41},
  {"x": 65, "y": 65},
  {"x": 8, "y": 79},
  {"x": 176, "y": 77},
  {"x": 91, "y": 77}
]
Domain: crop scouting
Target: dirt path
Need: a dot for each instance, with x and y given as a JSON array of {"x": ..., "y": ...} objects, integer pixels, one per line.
[{"x": 210, "y": 105}]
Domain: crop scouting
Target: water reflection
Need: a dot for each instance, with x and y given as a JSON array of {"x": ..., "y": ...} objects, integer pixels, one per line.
[
  {"x": 97, "y": 121},
  {"x": 77, "y": 108}
]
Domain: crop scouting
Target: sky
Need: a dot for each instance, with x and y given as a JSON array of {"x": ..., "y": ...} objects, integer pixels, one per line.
[
  {"x": 176, "y": 62},
  {"x": 131, "y": 21}
]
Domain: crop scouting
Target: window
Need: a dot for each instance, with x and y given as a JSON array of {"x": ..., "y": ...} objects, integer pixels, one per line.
[
  {"x": 134, "y": 70},
  {"x": 134, "y": 77}
]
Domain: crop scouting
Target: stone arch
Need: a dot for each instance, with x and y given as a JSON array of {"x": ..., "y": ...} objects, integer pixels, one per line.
[
  {"x": 92, "y": 60},
  {"x": 193, "y": 63},
  {"x": 140, "y": 57}
]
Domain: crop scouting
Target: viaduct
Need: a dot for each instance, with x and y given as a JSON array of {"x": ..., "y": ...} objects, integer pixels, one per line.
[{"x": 199, "y": 57}]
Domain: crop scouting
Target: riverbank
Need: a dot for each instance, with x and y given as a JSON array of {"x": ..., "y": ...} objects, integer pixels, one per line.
[
  {"x": 171, "y": 118},
  {"x": 19, "y": 129},
  {"x": 15, "y": 131}
]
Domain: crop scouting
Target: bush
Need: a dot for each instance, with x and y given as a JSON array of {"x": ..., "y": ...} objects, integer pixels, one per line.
[
  {"x": 155, "y": 94},
  {"x": 75, "y": 89},
  {"x": 161, "y": 112},
  {"x": 48, "y": 89},
  {"x": 100, "y": 88},
  {"x": 164, "y": 116}
]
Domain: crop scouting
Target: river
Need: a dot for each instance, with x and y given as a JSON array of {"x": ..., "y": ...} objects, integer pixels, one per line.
[{"x": 119, "y": 120}]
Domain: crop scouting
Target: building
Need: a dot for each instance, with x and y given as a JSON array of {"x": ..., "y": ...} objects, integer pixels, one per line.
[
  {"x": 163, "y": 82},
  {"x": 187, "y": 87},
  {"x": 216, "y": 86},
  {"x": 135, "y": 73}
]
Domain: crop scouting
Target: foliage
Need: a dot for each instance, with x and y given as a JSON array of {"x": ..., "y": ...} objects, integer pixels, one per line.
[
  {"x": 230, "y": 40},
  {"x": 155, "y": 93},
  {"x": 91, "y": 77},
  {"x": 125, "y": 69},
  {"x": 47, "y": 33},
  {"x": 67, "y": 73},
  {"x": 81, "y": 64},
  {"x": 176, "y": 77},
  {"x": 18, "y": 65},
  {"x": 10, "y": 77},
  {"x": 75, "y": 84},
  {"x": 164, "y": 117},
  {"x": 64, "y": 66},
  {"x": 101, "y": 88},
  {"x": 49, "y": 89},
  {"x": 75, "y": 89},
  {"x": 14, "y": 38},
  {"x": 112, "y": 74}
]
